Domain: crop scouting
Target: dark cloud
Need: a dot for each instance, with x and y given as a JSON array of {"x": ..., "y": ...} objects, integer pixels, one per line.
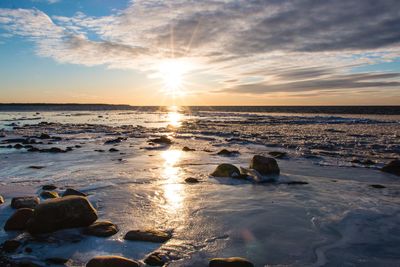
[{"x": 352, "y": 81}]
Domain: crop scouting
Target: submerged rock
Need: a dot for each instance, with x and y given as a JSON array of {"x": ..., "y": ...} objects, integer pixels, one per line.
[
  {"x": 161, "y": 140},
  {"x": 11, "y": 245},
  {"x": 278, "y": 154},
  {"x": 62, "y": 213},
  {"x": 228, "y": 153},
  {"x": 264, "y": 165},
  {"x": 191, "y": 180},
  {"x": 377, "y": 186},
  {"x": 226, "y": 170},
  {"x": 111, "y": 261},
  {"x": 49, "y": 194},
  {"x": 24, "y": 202},
  {"x": 18, "y": 221},
  {"x": 230, "y": 262},
  {"x": 155, "y": 236},
  {"x": 392, "y": 167},
  {"x": 101, "y": 229},
  {"x": 187, "y": 149},
  {"x": 73, "y": 192}
]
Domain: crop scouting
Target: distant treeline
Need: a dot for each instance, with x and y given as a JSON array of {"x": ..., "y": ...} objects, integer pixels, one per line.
[{"x": 381, "y": 110}]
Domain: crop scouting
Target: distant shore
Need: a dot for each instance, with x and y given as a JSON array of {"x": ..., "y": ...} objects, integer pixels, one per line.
[{"x": 37, "y": 107}]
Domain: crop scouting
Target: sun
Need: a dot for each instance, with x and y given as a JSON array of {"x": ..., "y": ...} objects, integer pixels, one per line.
[{"x": 172, "y": 74}]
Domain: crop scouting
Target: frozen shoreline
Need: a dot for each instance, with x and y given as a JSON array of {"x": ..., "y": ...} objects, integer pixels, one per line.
[{"x": 337, "y": 216}]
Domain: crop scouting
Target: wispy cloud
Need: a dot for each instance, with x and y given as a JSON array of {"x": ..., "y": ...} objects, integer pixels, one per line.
[{"x": 280, "y": 46}]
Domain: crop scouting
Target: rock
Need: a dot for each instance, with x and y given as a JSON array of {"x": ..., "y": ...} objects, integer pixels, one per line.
[
  {"x": 44, "y": 136},
  {"x": 52, "y": 150},
  {"x": 161, "y": 140},
  {"x": 377, "y": 186},
  {"x": 24, "y": 202},
  {"x": 154, "y": 236},
  {"x": 33, "y": 149},
  {"x": 264, "y": 165},
  {"x": 278, "y": 154},
  {"x": 18, "y": 146},
  {"x": 392, "y": 167},
  {"x": 187, "y": 149},
  {"x": 230, "y": 262},
  {"x": 226, "y": 170},
  {"x": 1, "y": 200},
  {"x": 296, "y": 183},
  {"x": 228, "y": 153},
  {"x": 111, "y": 261},
  {"x": 155, "y": 259},
  {"x": 49, "y": 187},
  {"x": 36, "y": 167},
  {"x": 61, "y": 213},
  {"x": 191, "y": 180},
  {"x": 100, "y": 150},
  {"x": 101, "y": 229},
  {"x": 113, "y": 150},
  {"x": 73, "y": 192},
  {"x": 56, "y": 261},
  {"x": 18, "y": 221},
  {"x": 114, "y": 141},
  {"x": 15, "y": 140},
  {"x": 11, "y": 245},
  {"x": 49, "y": 194}
]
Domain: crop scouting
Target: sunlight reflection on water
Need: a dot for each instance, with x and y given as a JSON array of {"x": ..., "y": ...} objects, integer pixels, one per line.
[{"x": 173, "y": 189}]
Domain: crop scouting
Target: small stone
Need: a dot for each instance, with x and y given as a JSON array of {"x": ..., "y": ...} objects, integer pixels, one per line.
[
  {"x": 11, "y": 245},
  {"x": 278, "y": 154},
  {"x": 111, "y": 261},
  {"x": 49, "y": 187},
  {"x": 56, "y": 261},
  {"x": 230, "y": 262},
  {"x": 44, "y": 136},
  {"x": 49, "y": 194},
  {"x": 161, "y": 140},
  {"x": 264, "y": 165},
  {"x": 18, "y": 146},
  {"x": 155, "y": 236},
  {"x": 24, "y": 202},
  {"x": 187, "y": 149},
  {"x": 101, "y": 229},
  {"x": 392, "y": 167},
  {"x": 377, "y": 186},
  {"x": 228, "y": 153},
  {"x": 100, "y": 150},
  {"x": 155, "y": 259},
  {"x": 18, "y": 221},
  {"x": 296, "y": 183},
  {"x": 113, "y": 150},
  {"x": 226, "y": 170},
  {"x": 36, "y": 167},
  {"x": 191, "y": 180},
  {"x": 73, "y": 192}
]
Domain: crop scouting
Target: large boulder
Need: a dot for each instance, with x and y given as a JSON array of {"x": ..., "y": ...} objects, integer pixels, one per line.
[
  {"x": 226, "y": 170},
  {"x": 392, "y": 167},
  {"x": 61, "y": 213},
  {"x": 111, "y": 261},
  {"x": 101, "y": 229},
  {"x": 24, "y": 202},
  {"x": 155, "y": 236},
  {"x": 264, "y": 165},
  {"x": 18, "y": 220},
  {"x": 230, "y": 262}
]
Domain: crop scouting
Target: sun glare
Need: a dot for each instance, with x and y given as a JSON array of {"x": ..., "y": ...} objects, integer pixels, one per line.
[{"x": 172, "y": 74}]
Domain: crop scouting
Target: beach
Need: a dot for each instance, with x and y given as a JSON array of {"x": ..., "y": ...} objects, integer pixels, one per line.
[{"x": 330, "y": 204}]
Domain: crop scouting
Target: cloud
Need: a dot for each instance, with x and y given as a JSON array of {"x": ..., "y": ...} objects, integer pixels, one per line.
[{"x": 277, "y": 45}]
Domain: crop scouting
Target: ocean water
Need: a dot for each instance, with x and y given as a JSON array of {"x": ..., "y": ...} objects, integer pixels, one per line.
[{"x": 337, "y": 219}]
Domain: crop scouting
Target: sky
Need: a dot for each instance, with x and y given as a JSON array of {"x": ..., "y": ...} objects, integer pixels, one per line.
[{"x": 211, "y": 52}]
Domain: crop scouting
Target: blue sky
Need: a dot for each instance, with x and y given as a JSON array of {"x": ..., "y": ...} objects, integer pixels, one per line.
[{"x": 207, "y": 52}]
